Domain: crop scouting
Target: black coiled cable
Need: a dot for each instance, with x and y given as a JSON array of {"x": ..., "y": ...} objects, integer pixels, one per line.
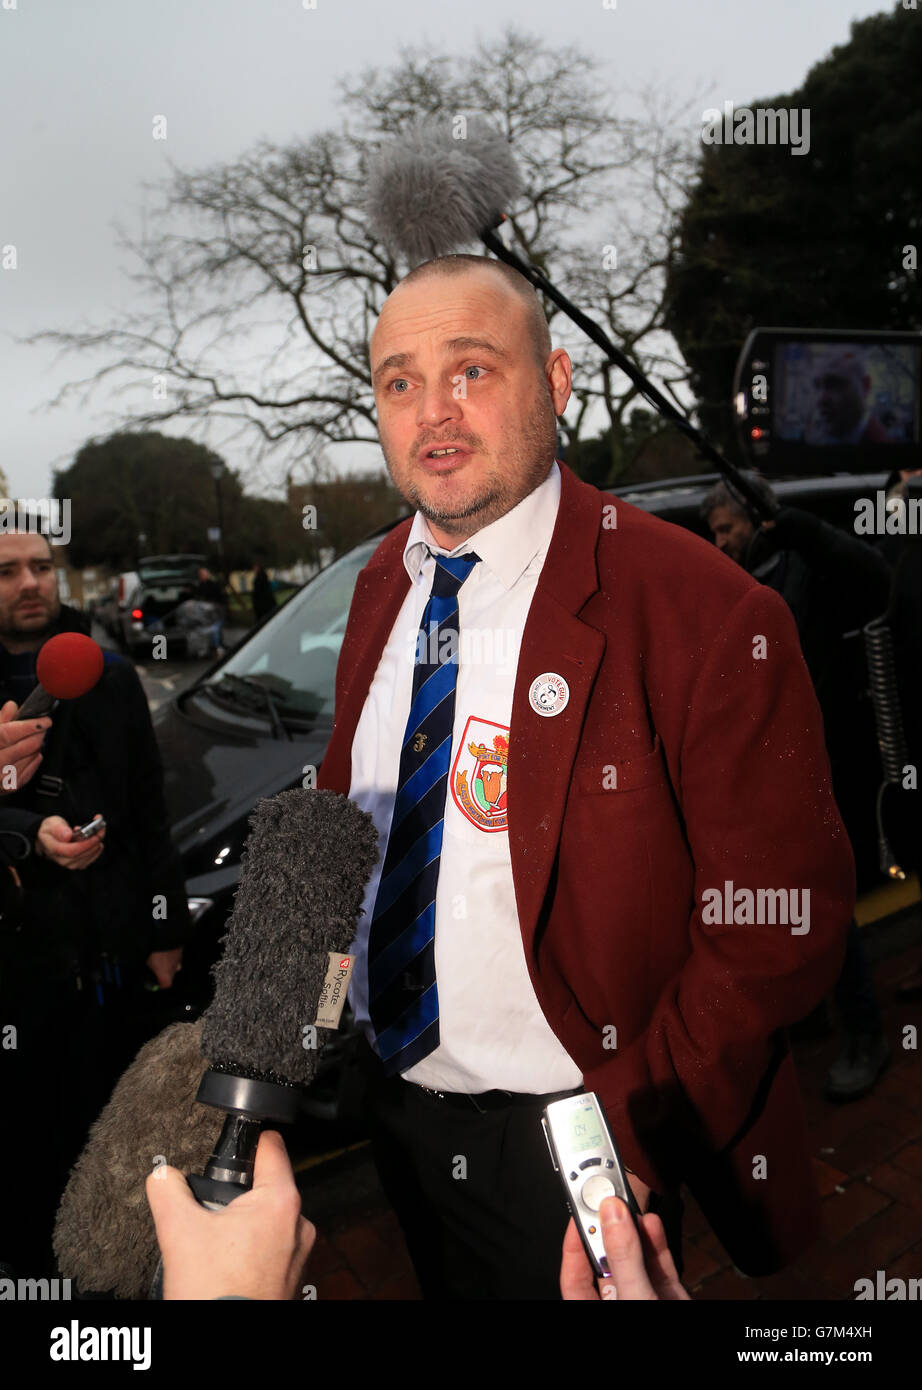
[{"x": 891, "y": 737}]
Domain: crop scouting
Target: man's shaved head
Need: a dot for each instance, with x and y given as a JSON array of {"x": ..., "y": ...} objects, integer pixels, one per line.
[{"x": 538, "y": 331}]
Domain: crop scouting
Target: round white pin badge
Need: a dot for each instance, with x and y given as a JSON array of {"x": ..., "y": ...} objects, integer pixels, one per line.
[{"x": 548, "y": 694}]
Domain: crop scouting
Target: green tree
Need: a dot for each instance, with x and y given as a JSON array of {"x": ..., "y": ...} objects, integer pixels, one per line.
[
  {"x": 266, "y": 529},
  {"x": 776, "y": 239},
  {"x": 145, "y": 493}
]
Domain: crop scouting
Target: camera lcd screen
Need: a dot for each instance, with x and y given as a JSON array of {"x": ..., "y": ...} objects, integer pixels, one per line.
[{"x": 845, "y": 393}]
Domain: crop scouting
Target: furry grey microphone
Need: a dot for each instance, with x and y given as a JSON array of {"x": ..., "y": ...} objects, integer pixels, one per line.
[
  {"x": 303, "y": 879},
  {"x": 430, "y": 193},
  {"x": 305, "y": 869},
  {"x": 104, "y": 1237}
]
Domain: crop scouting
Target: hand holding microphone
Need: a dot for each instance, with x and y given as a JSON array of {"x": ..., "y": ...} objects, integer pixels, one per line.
[
  {"x": 20, "y": 747},
  {"x": 67, "y": 666},
  {"x": 257, "y": 1246},
  {"x": 198, "y": 1095},
  {"x": 254, "y": 1248}
]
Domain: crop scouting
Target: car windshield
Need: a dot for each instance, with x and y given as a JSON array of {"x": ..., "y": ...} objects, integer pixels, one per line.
[{"x": 294, "y": 656}]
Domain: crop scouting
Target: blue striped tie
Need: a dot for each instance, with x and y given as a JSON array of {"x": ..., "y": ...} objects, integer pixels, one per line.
[{"x": 403, "y": 998}]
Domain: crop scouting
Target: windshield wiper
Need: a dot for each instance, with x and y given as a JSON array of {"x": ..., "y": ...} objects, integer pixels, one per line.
[
  {"x": 256, "y": 685},
  {"x": 272, "y": 704}
]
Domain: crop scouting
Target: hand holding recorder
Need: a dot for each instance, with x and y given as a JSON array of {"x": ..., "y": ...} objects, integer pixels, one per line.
[{"x": 257, "y": 1245}]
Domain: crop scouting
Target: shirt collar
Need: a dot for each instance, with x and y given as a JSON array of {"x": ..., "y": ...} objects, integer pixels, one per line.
[{"x": 508, "y": 545}]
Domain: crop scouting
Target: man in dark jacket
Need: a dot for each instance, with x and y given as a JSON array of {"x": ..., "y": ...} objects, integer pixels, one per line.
[
  {"x": 208, "y": 590},
  {"x": 263, "y": 594},
  {"x": 72, "y": 968},
  {"x": 833, "y": 584}
]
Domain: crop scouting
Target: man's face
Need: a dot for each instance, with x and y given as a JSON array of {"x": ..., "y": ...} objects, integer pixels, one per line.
[
  {"x": 453, "y": 366},
  {"x": 840, "y": 398},
  {"x": 29, "y": 600},
  {"x": 731, "y": 531}
]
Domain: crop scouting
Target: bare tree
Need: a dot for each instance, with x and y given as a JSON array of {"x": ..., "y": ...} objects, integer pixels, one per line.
[{"x": 274, "y": 249}]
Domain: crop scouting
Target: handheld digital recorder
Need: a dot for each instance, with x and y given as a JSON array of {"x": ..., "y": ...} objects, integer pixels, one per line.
[{"x": 586, "y": 1156}]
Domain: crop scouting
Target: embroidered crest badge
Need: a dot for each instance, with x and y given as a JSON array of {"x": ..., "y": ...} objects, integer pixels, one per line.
[{"x": 478, "y": 776}]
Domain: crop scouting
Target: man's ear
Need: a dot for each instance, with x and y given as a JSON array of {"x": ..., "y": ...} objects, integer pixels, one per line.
[{"x": 558, "y": 373}]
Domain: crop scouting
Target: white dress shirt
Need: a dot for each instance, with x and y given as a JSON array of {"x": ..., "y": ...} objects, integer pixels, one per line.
[{"x": 492, "y": 1033}]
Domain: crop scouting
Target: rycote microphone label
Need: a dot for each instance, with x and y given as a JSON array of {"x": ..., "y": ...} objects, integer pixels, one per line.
[{"x": 333, "y": 991}]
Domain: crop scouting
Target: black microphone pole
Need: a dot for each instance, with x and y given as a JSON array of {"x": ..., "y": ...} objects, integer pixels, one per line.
[{"x": 618, "y": 359}]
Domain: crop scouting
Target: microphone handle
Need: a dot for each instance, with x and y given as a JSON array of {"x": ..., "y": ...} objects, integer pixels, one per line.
[
  {"x": 36, "y": 703},
  {"x": 228, "y": 1173}
]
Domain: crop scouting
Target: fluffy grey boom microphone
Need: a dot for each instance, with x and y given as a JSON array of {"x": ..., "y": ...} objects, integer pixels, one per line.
[
  {"x": 304, "y": 874},
  {"x": 104, "y": 1237},
  {"x": 430, "y": 192}
]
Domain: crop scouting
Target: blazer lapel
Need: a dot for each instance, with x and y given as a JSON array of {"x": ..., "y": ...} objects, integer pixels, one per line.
[
  {"x": 379, "y": 592},
  {"x": 542, "y": 748}
]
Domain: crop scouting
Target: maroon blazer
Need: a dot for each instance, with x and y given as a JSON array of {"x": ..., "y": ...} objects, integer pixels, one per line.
[{"x": 690, "y": 754}]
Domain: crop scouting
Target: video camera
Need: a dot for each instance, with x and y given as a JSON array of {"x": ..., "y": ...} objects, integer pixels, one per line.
[{"x": 829, "y": 401}]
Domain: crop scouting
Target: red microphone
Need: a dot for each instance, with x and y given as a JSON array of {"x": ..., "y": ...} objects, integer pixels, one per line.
[{"x": 67, "y": 666}]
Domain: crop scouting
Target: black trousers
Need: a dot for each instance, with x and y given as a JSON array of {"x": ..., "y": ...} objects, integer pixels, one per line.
[{"x": 482, "y": 1210}]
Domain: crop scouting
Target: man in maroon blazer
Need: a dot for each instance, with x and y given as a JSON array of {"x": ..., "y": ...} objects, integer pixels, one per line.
[{"x": 682, "y": 878}]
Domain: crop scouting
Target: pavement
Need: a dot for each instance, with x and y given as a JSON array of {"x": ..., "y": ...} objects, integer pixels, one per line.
[{"x": 867, "y": 1156}]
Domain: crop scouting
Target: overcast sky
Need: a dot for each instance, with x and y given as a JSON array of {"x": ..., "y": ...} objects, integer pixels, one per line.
[{"x": 81, "y": 82}]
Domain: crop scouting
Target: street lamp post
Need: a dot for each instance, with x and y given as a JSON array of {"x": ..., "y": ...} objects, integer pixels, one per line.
[{"x": 217, "y": 472}]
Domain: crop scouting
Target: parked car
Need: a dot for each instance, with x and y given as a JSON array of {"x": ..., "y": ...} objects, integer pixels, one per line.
[
  {"x": 163, "y": 583},
  {"x": 250, "y": 725},
  {"x": 111, "y": 606}
]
